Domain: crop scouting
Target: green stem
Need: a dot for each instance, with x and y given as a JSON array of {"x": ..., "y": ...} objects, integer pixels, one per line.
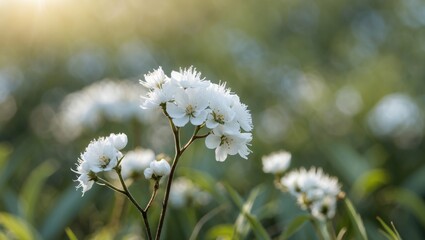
[
  {"x": 155, "y": 190},
  {"x": 131, "y": 198},
  {"x": 178, "y": 153}
]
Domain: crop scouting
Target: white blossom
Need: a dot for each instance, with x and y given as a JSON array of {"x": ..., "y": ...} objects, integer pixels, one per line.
[
  {"x": 99, "y": 156},
  {"x": 118, "y": 140},
  {"x": 85, "y": 182},
  {"x": 189, "y": 99},
  {"x": 158, "y": 169},
  {"x": 277, "y": 162},
  {"x": 156, "y": 98},
  {"x": 155, "y": 80},
  {"x": 136, "y": 161},
  {"x": 185, "y": 193},
  {"x": 227, "y": 142},
  {"x": 109, "y": 100},
  {"x": 189, "y": 78},
  {"x": 189, "y": 105},
  {"x": 314, "y": 191}
]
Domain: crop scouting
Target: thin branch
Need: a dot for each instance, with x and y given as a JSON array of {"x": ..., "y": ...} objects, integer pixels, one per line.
[
  {"x": 109, "y": 185},
  {"x": 131, "y": 198},
  {"x": 155, "y": 191}
]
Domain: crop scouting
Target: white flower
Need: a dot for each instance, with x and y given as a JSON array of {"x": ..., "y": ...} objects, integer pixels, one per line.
[
  {"x": 220, "y": 111},
  {"x": 314, "y": 190},
  {"x": 101, "y": 155},
  {"x": 243, "y": 116},
  {"x": 185, "y": 193},
  {"x": 136, "y": 161},
  {"x": 104, "y": 100},
  {"x": 148, "y": 173},
  {"x": 118, "y": 140},
  {"x": 158, "y": 97},
  {"x": 188, "y": 78},
  {"x": 277, "y": 162},
  {"x": 189, "y": 105},
  {"x": 228, "y": 142},
  {"x": 85, "y": 182},
  {"x": 157, "y": 169},
  {"x": 324, "y": 209},
  {"x": 155, "y": 79}
]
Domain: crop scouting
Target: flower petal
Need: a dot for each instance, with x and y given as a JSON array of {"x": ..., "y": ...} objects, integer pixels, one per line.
[
  {"x": 174, "y": 111},
  {"x": 212, "y": 141}
]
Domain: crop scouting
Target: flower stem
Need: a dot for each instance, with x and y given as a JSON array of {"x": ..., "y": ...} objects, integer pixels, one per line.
[
  {"x": 178, "y": 153},
  {"x": 131, "y": 198},
  {"x": 155, "y": 190}
]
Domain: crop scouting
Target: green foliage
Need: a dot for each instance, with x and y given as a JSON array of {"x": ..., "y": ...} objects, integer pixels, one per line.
[
  {"x": 70, "y": 234},
  {"x": 17, "y": 227},
  {"x": 246, "y": 220},
  {"x": 295, "y": 225},
  {"x": 390, "y": 233},
  {"x": 356, "y": 220}
]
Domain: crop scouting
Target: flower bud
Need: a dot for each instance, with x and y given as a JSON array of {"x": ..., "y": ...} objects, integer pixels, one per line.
[
  {"x": 160, "y": 168},
  {"x": 119, "y": 141}
]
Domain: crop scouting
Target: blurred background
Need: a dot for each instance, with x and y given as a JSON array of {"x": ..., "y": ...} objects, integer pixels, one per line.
[{"x": 340, "y": 84}]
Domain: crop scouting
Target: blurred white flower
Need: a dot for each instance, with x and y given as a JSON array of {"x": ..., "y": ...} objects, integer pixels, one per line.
[
  {"x": 103, "y": 100},
  {"x": 136, "y": 161},
  {"x": 185, "y": 193},
  {"x": 277, "y": 162},
  {"x": 325, "y": 208},
  {"x": 157, "y": 169},
  {"x": 397, "y": 117},
  {"x": 314, "y": 190},
  {"x": 228, "y": 143}
]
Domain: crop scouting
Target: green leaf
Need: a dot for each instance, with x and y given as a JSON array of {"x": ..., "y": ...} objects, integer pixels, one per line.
[
  {"x": 70, "y": 234},
  {"x": 245, "y": 214},
  {"x": 409, "y": 200},
  {"x": 369, "y": 182},
  {"x": 356, "y": 220},
  {"x": 389, "y": 233},
  {"x": 256, "y": 227},
  {"x": 66, "y": 208},
  {"x": 224, "y": 231},
  {"x": 33, "y": 187},
  {"x": 17, "y": 227},
  {"x": 294, "y": 226}
]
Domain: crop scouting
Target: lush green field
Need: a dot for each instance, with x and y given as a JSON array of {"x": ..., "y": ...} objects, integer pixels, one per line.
[{"x": 339, "y": 84}]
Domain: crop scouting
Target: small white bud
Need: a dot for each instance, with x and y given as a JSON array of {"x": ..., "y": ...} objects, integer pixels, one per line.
[
  {"x": 148, "y": 173},
  {"x": 119, "y": 141},
  {"x": 160, "y": 168}
]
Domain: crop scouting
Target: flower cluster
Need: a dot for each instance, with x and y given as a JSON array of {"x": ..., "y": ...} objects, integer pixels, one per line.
[
  {"x": 187, "y": 98},
  {"x": 277, "y": 162},
  {"x": 106, "y": 99},
  {"x": 101, "y": 155},
  {"x": 185, "y": 193},
  {"x": 315, "y": 191}
]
